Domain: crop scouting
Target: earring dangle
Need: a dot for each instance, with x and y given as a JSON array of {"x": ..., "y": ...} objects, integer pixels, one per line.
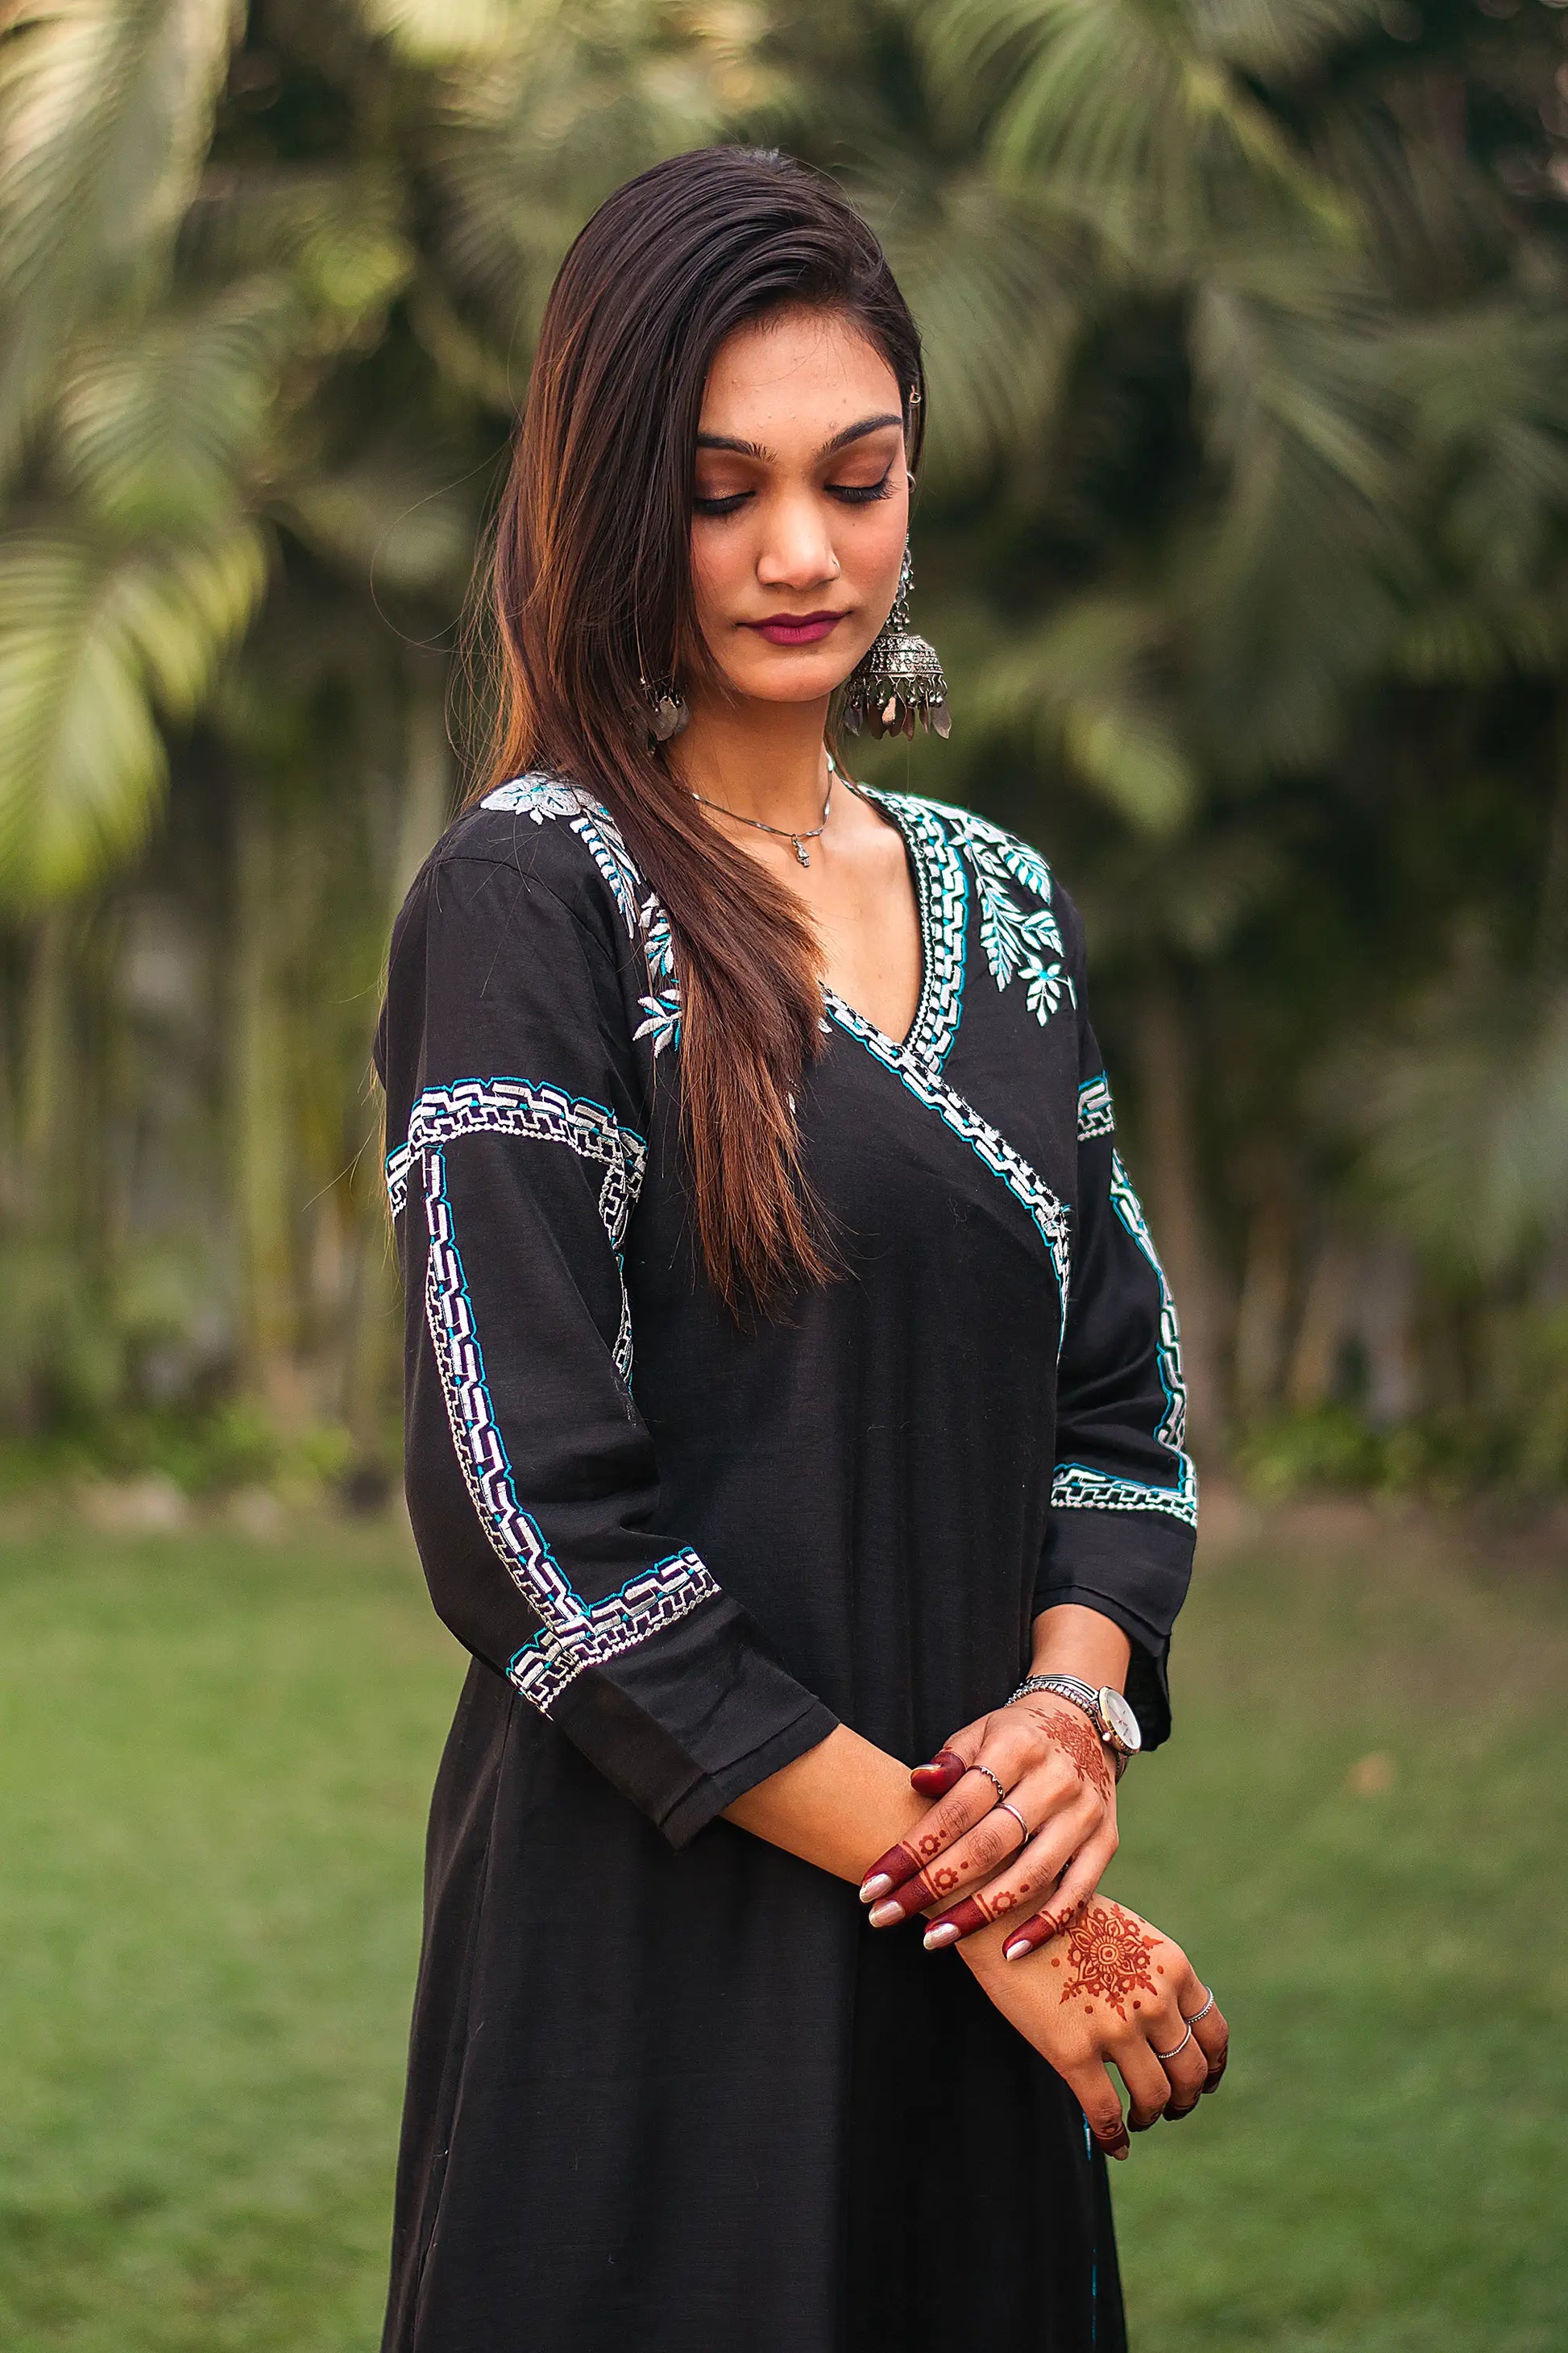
[
  {"x": 668, "y": 710},
  {"x": 898, "y": 678}
]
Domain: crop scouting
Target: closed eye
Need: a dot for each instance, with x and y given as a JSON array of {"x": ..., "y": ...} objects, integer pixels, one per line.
[
  {"x": 859, "y": 494},
  {"x": 849, "y": 494}
]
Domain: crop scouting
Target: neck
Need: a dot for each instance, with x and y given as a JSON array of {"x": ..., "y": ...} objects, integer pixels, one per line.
[{"x": 763, "y": 760}]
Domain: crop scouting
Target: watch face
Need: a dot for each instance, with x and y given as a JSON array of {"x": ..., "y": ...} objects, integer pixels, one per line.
[{"x": 1121, "y": 1722}]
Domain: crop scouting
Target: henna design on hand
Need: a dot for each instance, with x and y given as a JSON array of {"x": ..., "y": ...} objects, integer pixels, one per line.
[
  {"x": 1070, "y": 1731},
  {"x": 1109, "y": 1954}
]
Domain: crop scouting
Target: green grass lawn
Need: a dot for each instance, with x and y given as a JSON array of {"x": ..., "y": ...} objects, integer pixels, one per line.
[{"x": 215, "y": 1755}]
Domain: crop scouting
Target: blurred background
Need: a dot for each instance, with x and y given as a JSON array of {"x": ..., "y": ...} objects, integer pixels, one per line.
[{"x": 1243, "y": 535}]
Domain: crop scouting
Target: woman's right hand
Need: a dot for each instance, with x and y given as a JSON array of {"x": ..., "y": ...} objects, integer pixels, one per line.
[{"x": 1109, "y": 1990}]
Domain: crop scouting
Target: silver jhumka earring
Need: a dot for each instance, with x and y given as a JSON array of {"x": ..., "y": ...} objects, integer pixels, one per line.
[
  {"x": 668, "y": 710},
  {"x": 898, "y": 678}
]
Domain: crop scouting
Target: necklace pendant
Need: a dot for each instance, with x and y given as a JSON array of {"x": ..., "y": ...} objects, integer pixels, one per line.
[{"x": 800, "y": 852}]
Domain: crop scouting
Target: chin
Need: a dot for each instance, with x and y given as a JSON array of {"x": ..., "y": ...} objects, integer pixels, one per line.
[{"x": 793, "y": 681}]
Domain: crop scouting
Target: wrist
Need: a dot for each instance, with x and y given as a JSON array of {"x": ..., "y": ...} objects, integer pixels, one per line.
[{"x": 1070, "y": 1640}]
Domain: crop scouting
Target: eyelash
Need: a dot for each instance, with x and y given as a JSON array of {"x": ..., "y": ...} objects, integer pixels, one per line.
[{"x": 853, "y": 494}]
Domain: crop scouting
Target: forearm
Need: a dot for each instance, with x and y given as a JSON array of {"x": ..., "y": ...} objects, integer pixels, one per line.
[
  {"x": 846, "y": 1800},
  {"x": 1070, "y": 1640},
  {"x": 841, "y": 1803}
]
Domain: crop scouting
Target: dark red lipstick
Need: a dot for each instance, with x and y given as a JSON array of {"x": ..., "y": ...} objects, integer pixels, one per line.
[{"x": 795, "y": 628}]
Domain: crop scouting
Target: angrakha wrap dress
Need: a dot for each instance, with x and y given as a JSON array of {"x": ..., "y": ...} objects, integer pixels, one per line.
[{"x": 666, "y": 2092}]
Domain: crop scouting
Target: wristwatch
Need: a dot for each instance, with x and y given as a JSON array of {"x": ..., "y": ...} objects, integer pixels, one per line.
[{"x": 1106, "y": 1710}]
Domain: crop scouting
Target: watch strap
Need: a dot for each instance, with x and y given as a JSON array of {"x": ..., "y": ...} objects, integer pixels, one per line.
[{"x": 1082, "y": 1695}]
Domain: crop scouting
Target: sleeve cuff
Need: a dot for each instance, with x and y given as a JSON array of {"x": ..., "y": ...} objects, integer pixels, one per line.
[
  {"x": 687, "y": 1721},
  {"x": 1136, "y": 1576}
]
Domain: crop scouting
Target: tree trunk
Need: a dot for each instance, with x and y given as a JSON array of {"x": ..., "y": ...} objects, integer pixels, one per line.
[{"x": 259, "y": 1115}]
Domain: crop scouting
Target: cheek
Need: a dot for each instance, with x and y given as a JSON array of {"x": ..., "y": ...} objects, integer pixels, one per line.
[
  {"x": 872, "y": 552},
  {"x": 720, "y": 572}
]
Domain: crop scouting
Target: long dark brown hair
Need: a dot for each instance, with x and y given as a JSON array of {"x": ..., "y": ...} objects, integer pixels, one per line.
[{"x": 592, "y": 596}]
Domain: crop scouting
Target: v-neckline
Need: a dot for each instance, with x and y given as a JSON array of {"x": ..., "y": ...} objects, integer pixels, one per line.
[{"x": 940, "y": 895}]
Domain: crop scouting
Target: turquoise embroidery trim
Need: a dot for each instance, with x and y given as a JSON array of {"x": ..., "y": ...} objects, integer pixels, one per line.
[
  {"x": 1173, "y": 1429},
  {"x": 526, "y": 1107},
  {"x": 988, "y": 1144},
  {"x": 574, "y": 1634},
  {"x": 1077, "y": 1486},
  {"x": 942, "y": 899},
  {"x": 1096, "y": 1115}
]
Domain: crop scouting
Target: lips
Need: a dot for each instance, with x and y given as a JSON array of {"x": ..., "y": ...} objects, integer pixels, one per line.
[{"x": 795, "y": 628}]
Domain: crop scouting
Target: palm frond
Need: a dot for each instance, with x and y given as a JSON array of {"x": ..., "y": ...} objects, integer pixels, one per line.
[
  {"x": 106, "y": 109},
  {"x": 93, "y": 643},
  {"x": 1465, "y": 1117},
  {"x": 1131, "y": 103},
  {"x": 1085, "y": 687},
  {"x": 392, "y": 519},
  {"x": 156, "y": 425}
]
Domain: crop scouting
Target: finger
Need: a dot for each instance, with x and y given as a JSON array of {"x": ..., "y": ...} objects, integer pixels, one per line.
[
  {"x": 1031, "y": 1873},
  {"x": 976, "y": 1856},
  {"x": 965, "y": 1804},
  {"x": 1148, "y": 2085},
  {"x": 1022, "y": 1867},
  {"x": 1096, "y": 2094},
  {"x": 946, "y": 1770},
  {"x": 1077, "y": 1885},
  {"x": 1210, "y": 2032},
  {"x": 1212, "y": 2036},
  {"x": 1186, "y": 2069}
]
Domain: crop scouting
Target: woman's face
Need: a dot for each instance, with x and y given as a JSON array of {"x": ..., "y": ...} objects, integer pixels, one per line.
[{"x": 800, "y": 504}]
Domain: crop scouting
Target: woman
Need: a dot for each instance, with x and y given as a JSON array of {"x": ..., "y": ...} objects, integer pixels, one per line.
[{"x": 790, "y": 1376}]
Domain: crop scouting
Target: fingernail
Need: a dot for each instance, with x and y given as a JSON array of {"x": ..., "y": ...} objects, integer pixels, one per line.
[
  {"x": 878, "y": 1885},
  {"x": 883, "y": 1915},
  {"x": 1123, "y": 2149},
  {"x": 1016, "y": 1950},
  {"x": 944, "y": 1933}
]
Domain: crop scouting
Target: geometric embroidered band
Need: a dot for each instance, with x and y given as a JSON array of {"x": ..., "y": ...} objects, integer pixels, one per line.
[
  {"x": 574, "y": 1633},
  {"x": 1095, "y": 1115},
  {"x": 1077, "y": 1488}
]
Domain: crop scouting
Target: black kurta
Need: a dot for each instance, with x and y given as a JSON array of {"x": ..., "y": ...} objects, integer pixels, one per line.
[{"x": 666, "y": 2092}]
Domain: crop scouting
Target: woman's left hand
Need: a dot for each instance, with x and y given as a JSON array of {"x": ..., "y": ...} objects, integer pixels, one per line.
[{"x": 1026, "y": 1805}]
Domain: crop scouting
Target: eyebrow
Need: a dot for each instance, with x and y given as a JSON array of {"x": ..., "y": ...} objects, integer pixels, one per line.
[{"x": 840, "y": 441}]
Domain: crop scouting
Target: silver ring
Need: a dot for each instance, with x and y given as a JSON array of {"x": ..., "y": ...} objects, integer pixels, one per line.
[
  {"x": 1179, "y": 2048},
  {"x": 991, "y": 1776},
  {"x": 1002, "y": 1807},
  {"x": 1201, "y": 2013}
]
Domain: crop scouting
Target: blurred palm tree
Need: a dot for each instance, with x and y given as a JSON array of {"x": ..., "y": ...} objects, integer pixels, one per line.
[{"x": 1242, "y": 532}]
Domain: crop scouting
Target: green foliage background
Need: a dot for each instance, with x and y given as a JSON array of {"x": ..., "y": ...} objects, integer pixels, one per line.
[{"x": 1243, "y": 534}]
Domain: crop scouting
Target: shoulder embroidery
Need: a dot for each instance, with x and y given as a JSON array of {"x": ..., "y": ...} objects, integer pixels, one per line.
[
  {"x": 541, "y": 796},
  {"x": 1020, "y": 943}
]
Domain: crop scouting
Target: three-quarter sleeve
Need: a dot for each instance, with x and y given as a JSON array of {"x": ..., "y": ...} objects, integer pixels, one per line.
[
  {"x": 1123, "y": 1506},
  {"x": 514, "y": 1112}
]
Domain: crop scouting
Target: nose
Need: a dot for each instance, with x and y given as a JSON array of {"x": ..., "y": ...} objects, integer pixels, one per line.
[{"x": 797, "y": 553}]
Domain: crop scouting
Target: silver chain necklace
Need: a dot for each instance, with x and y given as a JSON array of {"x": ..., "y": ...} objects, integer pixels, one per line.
[{"x": 796, "y": 840}]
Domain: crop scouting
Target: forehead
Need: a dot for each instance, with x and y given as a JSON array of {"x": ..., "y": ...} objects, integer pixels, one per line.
[{"x": 795, "y": 375}]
